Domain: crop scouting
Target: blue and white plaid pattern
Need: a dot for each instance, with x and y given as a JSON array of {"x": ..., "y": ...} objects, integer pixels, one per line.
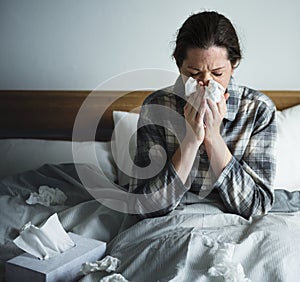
[{"x": 245, "y": 186}]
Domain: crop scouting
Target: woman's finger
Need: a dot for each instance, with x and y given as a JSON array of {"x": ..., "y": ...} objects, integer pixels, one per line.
[
  {"x": 226, "y": 95},
  {"x": 222, "y": 105},
  {"x": 188, "y": 108},
  {"x": 199, "y": 98},
  {"x": 213, "y": 107},
  {"x": 208, "y": 112},
  {"x": 201, "y": 112}
]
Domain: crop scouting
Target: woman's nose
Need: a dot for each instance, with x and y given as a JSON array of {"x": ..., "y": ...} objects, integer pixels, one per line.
[{"x": 204, "y": 79}]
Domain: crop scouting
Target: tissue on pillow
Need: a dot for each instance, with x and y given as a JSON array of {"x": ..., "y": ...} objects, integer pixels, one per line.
[
  {"x": 127, "y": 126},
  {"x": 18, "y": 155},
  {"x": 288, "y": 149}
]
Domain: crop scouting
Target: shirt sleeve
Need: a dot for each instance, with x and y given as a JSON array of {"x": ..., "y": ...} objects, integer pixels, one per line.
[
  {"x": 246, "y": 185},
  {"x": 155, "y": 182}
]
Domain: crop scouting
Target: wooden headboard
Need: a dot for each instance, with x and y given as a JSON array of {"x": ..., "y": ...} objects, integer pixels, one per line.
[{"x": 51, "y": 114}]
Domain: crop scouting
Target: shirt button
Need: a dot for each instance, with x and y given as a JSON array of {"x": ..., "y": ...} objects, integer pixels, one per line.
[
  {"x": 201, "y": 151},
  {"x": 204, "y": 187}
]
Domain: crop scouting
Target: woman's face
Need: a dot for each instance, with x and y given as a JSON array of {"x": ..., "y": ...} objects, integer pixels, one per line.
[{"x": 206, "y": 64}]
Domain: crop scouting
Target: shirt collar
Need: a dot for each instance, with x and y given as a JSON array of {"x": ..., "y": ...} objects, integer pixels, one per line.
[{"x": 233, "y": 101}]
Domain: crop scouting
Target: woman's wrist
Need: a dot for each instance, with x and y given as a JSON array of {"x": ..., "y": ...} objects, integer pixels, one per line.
[
  {"x": 212, "y": 140},
  {"x": 191, "y": 143},
  {"x": 184, "y": 157},
  {"x": 218, "y": 153}
]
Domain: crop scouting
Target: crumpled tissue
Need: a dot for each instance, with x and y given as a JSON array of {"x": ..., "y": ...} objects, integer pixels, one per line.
[
  {"x": 107, "y": 264},
  {"x": 47, "y": 196},
  {"x": 223, "y": 263},
  {"x": 116, "y": 277},
  {"x": 45, "y": 242},
  {"x": 213, "y": 91}
]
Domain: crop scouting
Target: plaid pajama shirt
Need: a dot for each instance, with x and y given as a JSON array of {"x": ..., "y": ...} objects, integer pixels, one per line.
[{"x": 245, "y": 186}]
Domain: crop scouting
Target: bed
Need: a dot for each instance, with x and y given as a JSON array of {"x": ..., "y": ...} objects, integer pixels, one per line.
[{"x": 196, "y": 242}]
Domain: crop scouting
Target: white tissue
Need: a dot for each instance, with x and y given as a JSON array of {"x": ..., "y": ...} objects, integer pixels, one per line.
[
  {"x": 223, "y": 264},
  {"x": 213, "y": 91},
  {"x": 107, "y": 264},
  {"x": 116, "y": 277},
  {"x": 47, "y": 196},
  {"x": 45, "y": 242},
  {"x": 190, "y": 86}
]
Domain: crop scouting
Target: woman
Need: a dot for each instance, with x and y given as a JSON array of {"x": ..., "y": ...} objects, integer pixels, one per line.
[{"x": 223, "y": 152}]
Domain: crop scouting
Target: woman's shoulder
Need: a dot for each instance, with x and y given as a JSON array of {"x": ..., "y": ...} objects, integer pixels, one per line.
[
  {"x": 251, "y": 95},
  {"x": 161, "y": 96}
]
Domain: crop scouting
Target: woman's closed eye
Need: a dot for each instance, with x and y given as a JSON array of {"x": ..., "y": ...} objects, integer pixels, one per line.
[
  {"x": 218, "y": 74},
  {"x": 193, "y": 75}
]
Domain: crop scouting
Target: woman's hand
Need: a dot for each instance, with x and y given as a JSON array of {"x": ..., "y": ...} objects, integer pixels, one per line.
[
  {"x": 217, "y": 150},
  {"x": 214, "y": 115},
  {"x": 194, "y": 112}
]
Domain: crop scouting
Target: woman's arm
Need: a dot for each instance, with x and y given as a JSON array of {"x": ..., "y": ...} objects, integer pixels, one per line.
[
  {"x": 217, "y": 150},
  {"x": 185, "y": 155},
  {"x": 245, "y": 185},
  {"x": 156, "y": 193}
]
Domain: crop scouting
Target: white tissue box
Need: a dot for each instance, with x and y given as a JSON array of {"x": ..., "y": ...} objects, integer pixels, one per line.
[{"x": 63, "y": 267}]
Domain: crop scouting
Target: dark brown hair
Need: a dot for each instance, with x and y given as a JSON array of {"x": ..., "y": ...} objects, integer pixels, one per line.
[{"x": 204, "y": 30}]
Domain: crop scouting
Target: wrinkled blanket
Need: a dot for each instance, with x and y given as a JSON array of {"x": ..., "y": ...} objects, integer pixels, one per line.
[{"x": 196, "y": 242}]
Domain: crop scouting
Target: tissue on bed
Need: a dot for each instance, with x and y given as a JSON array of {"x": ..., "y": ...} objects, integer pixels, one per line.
[
  {"x": 224, "y": 265},
  {"x": 107, "y": 264},
  {"x": 45, "y": 242},
  {"x": 116, "y": 277},
  {"x": 213, "y": 90},
  {"x": 47, "y": 196}
]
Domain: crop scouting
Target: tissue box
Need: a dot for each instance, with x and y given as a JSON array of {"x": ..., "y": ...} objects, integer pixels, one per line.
[{"x": 63, "y": 267}]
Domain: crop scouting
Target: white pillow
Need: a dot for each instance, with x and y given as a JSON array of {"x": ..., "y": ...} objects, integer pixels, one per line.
[
  {"x": 18, "y": 155},
  {"x": 288, "y": 149},
  {"x": 123, "y": 151}
]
